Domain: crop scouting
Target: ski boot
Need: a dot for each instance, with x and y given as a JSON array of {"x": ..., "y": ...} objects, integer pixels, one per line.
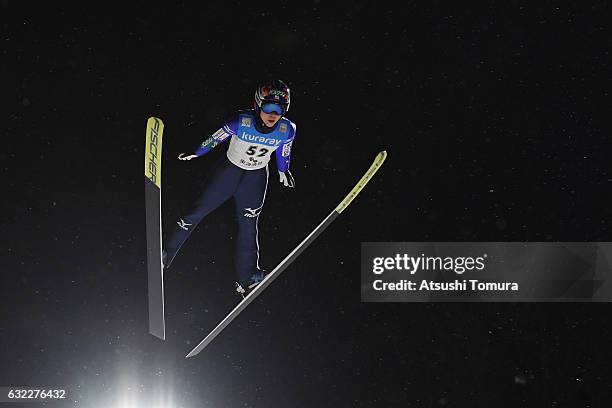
[
  {"x": 254, "y": 280},
  {"x": 167, "y": 259},
  {"x": 163, "y": 259}
]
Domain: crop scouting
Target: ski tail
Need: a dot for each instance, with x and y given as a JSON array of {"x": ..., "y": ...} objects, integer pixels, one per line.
[
  {"x": 153, "y": 155},
  {"x": 378, "y": 161}
]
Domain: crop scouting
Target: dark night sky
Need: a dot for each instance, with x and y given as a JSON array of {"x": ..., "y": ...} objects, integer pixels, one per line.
[{"x": 494, "y": 121}]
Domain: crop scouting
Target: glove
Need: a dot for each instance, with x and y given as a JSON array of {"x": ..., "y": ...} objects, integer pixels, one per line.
[
  {"x": 183, "y": 157},
  {"x": 286, "y": 178}
]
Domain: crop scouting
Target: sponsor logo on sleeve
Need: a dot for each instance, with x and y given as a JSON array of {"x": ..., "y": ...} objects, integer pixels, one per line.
[
  {"x": 220, "y": 135},
  {"x": 287, "y": 148}
]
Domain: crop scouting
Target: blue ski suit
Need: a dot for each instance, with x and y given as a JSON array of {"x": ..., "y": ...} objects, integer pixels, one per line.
[{"x": 243, "y": 175}]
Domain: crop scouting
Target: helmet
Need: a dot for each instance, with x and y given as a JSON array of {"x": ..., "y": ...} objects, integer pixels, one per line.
[{"x": 274, "y": 91}]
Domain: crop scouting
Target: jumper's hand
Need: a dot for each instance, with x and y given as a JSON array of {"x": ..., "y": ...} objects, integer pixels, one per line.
[
  {"x": 189, "y": 157},
  {"x": 286, "y": 178}
]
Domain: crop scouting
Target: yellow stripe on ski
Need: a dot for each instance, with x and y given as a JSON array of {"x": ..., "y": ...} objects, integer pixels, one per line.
[
  {"x": 153, "y": 150},
  {"x": 378, "y": 161}
]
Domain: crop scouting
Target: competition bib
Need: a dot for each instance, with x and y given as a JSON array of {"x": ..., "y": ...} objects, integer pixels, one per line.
[{"x": 250, "y": 149}]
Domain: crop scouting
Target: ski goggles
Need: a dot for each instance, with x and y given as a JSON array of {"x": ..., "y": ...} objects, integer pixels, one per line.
[{"x": 273, "y": 108}]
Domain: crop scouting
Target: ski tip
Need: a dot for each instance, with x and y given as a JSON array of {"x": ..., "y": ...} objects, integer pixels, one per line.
[
  {"x": 378, "y": 161},
  {"x": 380, "y": 158}
]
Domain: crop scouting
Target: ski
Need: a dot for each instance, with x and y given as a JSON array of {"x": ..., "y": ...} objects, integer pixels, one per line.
[
  {"x": 155, "y": 272},
  {"x": 378, "y": 161}
]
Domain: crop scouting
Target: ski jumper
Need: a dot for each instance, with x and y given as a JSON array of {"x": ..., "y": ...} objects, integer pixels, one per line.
[{"x": 243, "y": 175}]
